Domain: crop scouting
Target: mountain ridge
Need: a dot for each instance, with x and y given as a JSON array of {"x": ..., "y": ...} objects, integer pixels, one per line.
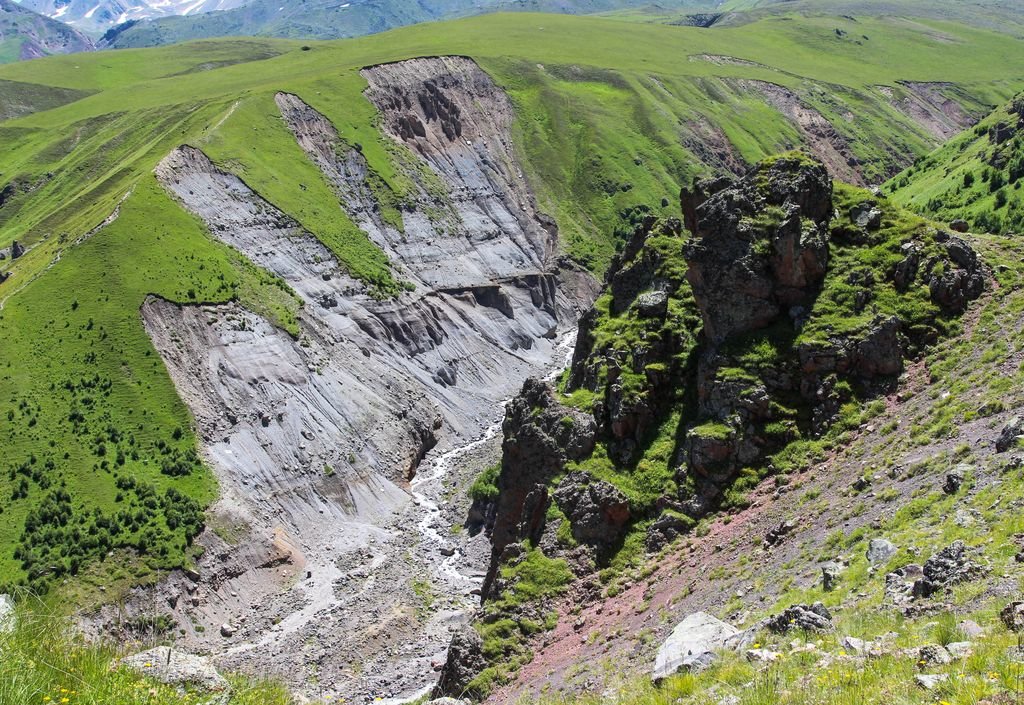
[{"x": 29, "y": 35}]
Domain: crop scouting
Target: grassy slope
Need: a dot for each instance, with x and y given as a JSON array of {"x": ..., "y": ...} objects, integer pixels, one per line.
[
  {"x": 587, "y": 115},
  {"x": 970, "y": 177},
  {"x": 46, "y": 663}
]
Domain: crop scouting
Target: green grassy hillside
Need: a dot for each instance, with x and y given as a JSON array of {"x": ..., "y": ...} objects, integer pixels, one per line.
[
  {"x": 610, "y": 116},
  {"x": 975, "y": 177}
]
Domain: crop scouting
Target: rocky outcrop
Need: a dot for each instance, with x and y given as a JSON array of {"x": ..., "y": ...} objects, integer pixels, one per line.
[
  {"x": 641, "y": 281},
  {"x": 808, "y": 618},
  {"x": 597, "y": 510},
  {"x": 464, "y": 662},
  {"x": 540, "y": 436},
  {"x": 760, "y": 247},
  {"x": 950, "y": 566},
  {"x": 960, "y": 280},
  {"x": 1009, "y": 435}
]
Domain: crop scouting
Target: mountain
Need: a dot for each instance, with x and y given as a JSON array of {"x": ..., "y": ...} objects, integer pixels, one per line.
[
  {"x": 98, "y": 16},
  {"x": 326, "y": 19},
  {"x": 494, "y": 358},
  {"x": 27, "y": 35}
]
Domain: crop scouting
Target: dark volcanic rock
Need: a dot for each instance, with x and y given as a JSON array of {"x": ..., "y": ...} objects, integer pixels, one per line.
[
  {"x": 465, "y": 661},
  {"x": 954, "y": 286},
  {"x": 597, "y": 510},
  {"x": 1013, "y": 429},
  {"x": 950, "y": 566},
  {"x": 813, "y": 618},
  {"x": 760, "y": 246}
]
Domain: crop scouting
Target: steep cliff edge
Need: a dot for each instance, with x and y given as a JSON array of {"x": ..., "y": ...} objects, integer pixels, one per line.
[
  {"x": 711, "y": 360},
  {"x": 316, "y": 437}
]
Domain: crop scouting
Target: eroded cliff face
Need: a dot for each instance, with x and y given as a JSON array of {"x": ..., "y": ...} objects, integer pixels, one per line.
[{"x": 326, "y": 552}]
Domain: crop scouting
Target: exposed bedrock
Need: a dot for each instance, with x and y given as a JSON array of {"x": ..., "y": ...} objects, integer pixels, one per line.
[
  {"x": 759, "y": 249},
  {"x": 314, "y": 440}
]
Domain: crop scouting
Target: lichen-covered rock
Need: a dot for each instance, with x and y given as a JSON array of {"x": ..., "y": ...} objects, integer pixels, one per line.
[
  {"x": 1013, "y": 616},
  {"x": 953, "y": 287},
  {"x": 692, "y": 644}
]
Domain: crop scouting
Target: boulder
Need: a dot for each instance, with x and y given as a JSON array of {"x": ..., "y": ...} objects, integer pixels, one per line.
[
  {"x": 954, "y": 479},
  {"x": 931, "y": 681},
  {"x": 959, "y": 225},
  {"x": 853, "y": 644},
  {"x": 899, "y": 584},
  {"x": 1013, "y": 616},
  {"x": 953, "y": 287},
  {"x": 960, "y": 649},
  {"x": 931, "y": 655},
  {"x": 665, "y": 529},
  {"x": 830, "y": 574},
  {"x": 17, "y": 250},
  {"x": 775, "y": 536},
  {"x": 691, "y": 646},
  {"x": 879, "y": 352},
  {"x": 596, "y": 509},
  {"x": 465, "y": 661},
  {"x": 762, "y": 656},
  {"x": 948, "y": 567},
  {"x": 866, "y": 215},
  {"x": 653, "y": 304},
  {"x": 6, "y": 614},
  {"x": 177, "y": 668},
  {"x": 880, "y": 551},
  {"x": 813, "y": 618},
  {"x": 971, "y": 629},
  {"x": 1013, "y": 430}
]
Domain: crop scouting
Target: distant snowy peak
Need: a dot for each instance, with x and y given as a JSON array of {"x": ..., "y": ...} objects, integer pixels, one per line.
[{"x": 103, "y": 14}]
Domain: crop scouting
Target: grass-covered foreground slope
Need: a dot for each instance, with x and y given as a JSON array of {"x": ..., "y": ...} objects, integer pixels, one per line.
[
  {"x": 45, "y": 661},
  {"x": 975, "y": 177},
  {"x": 610, "y": 115}
]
